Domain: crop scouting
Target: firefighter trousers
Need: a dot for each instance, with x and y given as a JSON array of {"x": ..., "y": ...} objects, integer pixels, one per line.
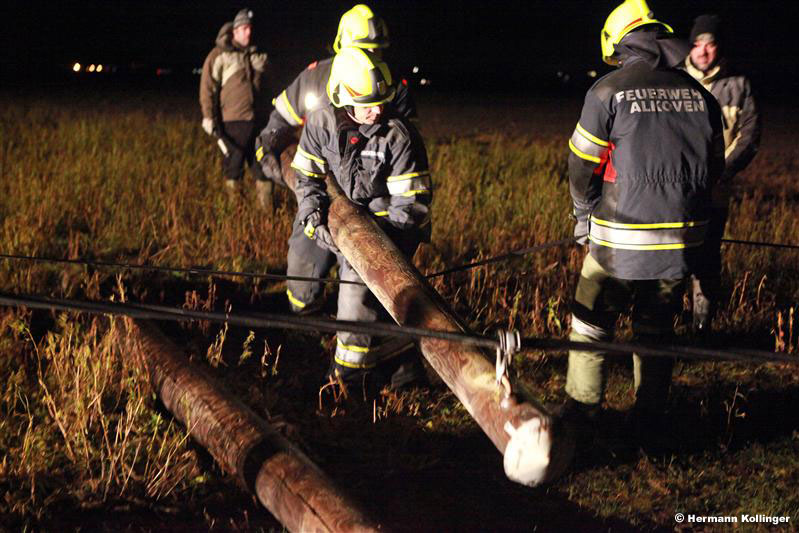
[
  {"x": 599, "y": 300},
  {"x": 355, "y": 301}
]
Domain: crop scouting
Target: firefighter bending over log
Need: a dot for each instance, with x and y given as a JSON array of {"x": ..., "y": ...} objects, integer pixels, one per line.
[
  {"x": 379, "y": 160},
  {"x": 360, "y": 28},
  {"x": 645, "y": 155}
]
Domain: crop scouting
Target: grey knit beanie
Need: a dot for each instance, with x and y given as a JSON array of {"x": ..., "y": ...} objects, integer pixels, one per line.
[{"x": 243, "y": 17}]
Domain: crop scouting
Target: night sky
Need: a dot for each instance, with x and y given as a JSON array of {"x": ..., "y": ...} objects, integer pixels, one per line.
[{"x": 459, "y": 44}]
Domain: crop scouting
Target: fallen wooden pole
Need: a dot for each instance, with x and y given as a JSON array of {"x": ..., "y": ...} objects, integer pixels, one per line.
[
  {"x": 536, "y": 448},
  {"x": 284, "y": 480}
]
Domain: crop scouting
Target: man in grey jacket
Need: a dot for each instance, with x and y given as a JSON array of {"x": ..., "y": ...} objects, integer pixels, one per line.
[
  {"x": 742, "y": 126},
  {"x": 229, "y": 88}
]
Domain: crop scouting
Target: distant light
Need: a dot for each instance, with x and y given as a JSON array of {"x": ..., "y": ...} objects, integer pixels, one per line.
[
  {"x": 415, "y": 70},
  {"x": 591, "y": 73},
  {"x": 76, "y": 67},
  {"x": 99, "y": 68},
  {"x": 311, "y": 100},
  {"x": 91, "y": 68},
  {"x": 560, "y": 74},
  {"x": 196, "y": 70},
  {"x": 425, "y": 81}
]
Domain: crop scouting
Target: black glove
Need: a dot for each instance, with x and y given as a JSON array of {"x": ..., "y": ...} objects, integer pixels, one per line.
[{"x": 319, "y": 232}]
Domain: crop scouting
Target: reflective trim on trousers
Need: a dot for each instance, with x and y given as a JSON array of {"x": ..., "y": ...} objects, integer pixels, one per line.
[
  {"x": 294, "y": 301},
  {"x": 590, "y": 331},
  {"x": 353, "y": 356}
]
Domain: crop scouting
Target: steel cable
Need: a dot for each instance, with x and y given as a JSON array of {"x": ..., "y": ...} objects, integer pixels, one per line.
[
  {"x": 312, "y": 324},
  {"x": 284, "y": 277}
]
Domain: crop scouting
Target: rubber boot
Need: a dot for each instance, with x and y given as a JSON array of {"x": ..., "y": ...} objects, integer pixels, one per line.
[{"x": 263, "y": 193}]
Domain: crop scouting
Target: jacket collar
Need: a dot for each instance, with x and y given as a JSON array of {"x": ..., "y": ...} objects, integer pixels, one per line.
[{"x": 705, "y": 78}]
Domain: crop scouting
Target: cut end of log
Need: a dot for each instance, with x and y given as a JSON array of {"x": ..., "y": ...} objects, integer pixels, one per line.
[{"x": 530, "y": 458}]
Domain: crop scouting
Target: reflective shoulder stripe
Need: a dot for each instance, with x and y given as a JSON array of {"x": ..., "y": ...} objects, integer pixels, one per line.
[
  {"x": 307, "y": 173},
  {"x": 283, "y": 106},
  {"x": 409, "y": 184},
  {"x": 312, "y": 157},
  {"x": 294, "y": 301},
  {"x": 588, "y": 146},
  {"x": 583, "y": 155},
  {"x": 596, "y": 140},
  {"x": 656, "y": 225}
]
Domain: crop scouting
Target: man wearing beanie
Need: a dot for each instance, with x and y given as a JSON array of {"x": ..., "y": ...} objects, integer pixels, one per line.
[
  {"x": 229, "y": 87},
  {"x": 707, "y": 64}
]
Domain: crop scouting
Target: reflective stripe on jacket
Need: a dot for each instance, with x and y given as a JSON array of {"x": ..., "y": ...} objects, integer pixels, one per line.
[
  {"x": 308, "y": 92},
  {"x": 381, "y": 166},
  {"x": 643, "y": 158}
]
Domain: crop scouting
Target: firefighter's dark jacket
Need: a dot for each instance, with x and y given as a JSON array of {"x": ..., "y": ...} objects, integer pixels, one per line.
[
  {"x": 308, "y": 92},
  {"x": 643, "y": 159},
  {"x": 382, "y": 167}
]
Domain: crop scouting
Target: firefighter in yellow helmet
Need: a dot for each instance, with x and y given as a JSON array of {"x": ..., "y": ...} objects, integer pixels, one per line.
[
  {"x": 359, "y": 27},
  {"x": 378, "y": 158},
  {"x": 643, "y": 160}
]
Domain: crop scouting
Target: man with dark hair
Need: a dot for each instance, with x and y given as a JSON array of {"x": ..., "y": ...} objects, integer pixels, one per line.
[
  {"x": 644, "y": 157},
  {"x": 229, "y": 86},
  {"x": 733, "y": 91}
]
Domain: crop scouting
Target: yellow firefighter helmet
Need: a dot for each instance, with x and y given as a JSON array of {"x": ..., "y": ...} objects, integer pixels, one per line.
[
  {"x": 628, "y": 16},
  {"x": 359, "y": 79},
  {"x": 361, "y": 28}
]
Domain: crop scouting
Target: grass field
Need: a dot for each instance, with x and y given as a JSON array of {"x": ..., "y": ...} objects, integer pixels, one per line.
[{"x": 117, "y": 177}]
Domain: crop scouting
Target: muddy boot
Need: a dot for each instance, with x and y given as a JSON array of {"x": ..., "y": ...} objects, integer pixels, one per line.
[{"x": 263, "y": 193}]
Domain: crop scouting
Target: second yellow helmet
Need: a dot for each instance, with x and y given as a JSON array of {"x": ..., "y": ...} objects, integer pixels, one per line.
[{"x": 361, "y": 28}]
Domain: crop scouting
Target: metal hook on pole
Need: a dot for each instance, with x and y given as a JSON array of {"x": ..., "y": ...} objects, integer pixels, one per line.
[{"x": 510, "y": 342}]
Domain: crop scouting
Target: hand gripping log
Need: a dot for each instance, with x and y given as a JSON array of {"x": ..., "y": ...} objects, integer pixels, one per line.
[
  {"x": 283, "y": 479},
  {"x": 536, "y": 448}
]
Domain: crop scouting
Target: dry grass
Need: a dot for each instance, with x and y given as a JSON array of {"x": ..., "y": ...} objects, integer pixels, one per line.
[{"x": 135, "y": 180}]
